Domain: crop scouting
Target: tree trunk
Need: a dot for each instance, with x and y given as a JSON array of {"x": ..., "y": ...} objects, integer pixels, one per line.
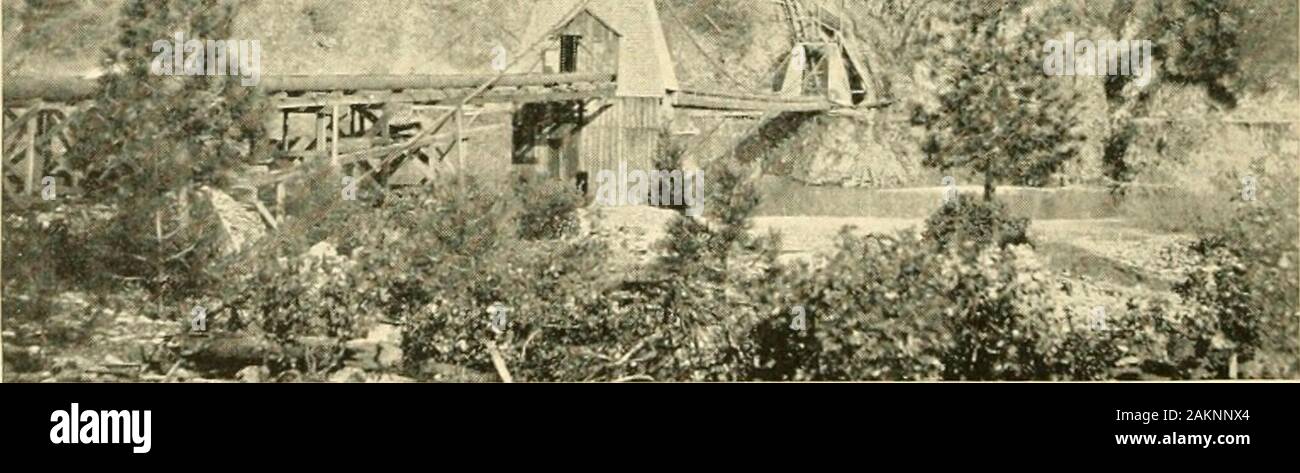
[{"x": 988, "y": 183}]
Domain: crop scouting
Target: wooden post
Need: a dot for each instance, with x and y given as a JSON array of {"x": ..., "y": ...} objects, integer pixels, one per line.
[
  {"x": 386, "y": 114},
  {"x": 52, "y": 126},
  {"x": 284, "y": 131},
  {"x": 279, "y": 186},
  {"x": 322, "y": 128},
  {"x": 279, "y": 201},
  {"x": 334, "y": 143},
  {"x": 460, "y": 145},
  {"x": 33, "y": 157}
]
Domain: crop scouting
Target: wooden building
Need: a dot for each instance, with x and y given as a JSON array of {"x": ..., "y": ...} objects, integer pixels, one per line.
[{"x": 574, "y": 140}]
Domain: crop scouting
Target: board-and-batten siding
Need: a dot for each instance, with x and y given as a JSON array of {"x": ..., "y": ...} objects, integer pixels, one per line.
[
  {"x": 628, "y": 131},
  {"x": 599, "y": 47}
]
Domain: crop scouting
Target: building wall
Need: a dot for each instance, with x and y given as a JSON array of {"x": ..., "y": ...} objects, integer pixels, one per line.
[
  {"x": 645, "y": 66},
  {"x": 627, "y": 131}
]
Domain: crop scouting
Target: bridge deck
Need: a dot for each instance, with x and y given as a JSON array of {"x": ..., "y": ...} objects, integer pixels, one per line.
[{"x": 737, "y": 102}]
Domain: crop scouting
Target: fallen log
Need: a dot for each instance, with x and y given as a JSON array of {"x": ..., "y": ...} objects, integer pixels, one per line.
[{"x": 225, "y": 354}]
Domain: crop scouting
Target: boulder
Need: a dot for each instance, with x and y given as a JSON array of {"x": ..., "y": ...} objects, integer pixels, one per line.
[
  {"x": 348, "y": 375},
  {"x": 253, "y": 374},
  {"x": 445, "y": 373},
  {"x": 323, "y": 250},
  {"x": 238, "y": 226}
]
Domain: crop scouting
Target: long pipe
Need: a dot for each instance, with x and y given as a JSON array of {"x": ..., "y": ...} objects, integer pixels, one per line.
[
  {"x": 54, "y": 89},
  {"x": 312, "y": 83},
  {"x": 59, "y": 89}
]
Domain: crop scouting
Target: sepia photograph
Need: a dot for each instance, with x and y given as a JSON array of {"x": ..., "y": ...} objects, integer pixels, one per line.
[{"x": 650, "y": 191}]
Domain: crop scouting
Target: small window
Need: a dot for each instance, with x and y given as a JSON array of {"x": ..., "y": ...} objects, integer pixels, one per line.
[{"x": 569, "y": 44}]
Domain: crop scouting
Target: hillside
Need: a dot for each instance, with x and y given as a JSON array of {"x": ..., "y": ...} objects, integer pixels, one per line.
[
  {"x": 732, "y": 44},
  {"x": 722, "y": 44},
  {"x": 298, "y": 36}
]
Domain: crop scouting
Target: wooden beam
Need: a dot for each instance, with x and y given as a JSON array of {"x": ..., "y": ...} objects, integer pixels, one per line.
[
  {"x": 334, "y": 143},
  {"x": 322, "y": 129},
  {"x": 460, "y": 137},
  {"x": 284, "y": 133},
  {"x": 280, "y": 195},
  {"x": 51, "y": 133},
  {"x": 33, "y": 164},
  {"x": 740, "y": 104},
  {"x": 359, "y": 156},
  {"x": 17, "y": 126}
]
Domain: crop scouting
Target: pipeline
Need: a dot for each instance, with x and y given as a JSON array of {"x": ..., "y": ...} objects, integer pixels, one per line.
[{"x": 71, "y": 89}]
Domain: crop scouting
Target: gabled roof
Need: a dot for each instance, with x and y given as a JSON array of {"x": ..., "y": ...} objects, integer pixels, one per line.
[
  {"x": 645, "y": 67},
  {"x": 575, "y": 12}
]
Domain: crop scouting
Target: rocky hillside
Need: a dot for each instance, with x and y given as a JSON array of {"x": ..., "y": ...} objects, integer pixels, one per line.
[
  {"x": 298, "y": 36},
  {"x": 396, "y": 36}
]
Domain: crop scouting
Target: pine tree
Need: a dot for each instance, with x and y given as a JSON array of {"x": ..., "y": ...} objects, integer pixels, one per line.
[
  {"x": 149, "y": 142},
  {"x": 998, "y": 114}
]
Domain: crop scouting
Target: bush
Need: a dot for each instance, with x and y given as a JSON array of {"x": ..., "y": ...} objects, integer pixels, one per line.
[
  {"x": 1132, "y": 343},
  {"x": 451, "y": 258},
  {"x": 891, "y": 308},
  {"x": 548, "y": 209},
  {"x": 549, "y": 293},
  {"x": 671, "y": 156},
  {"x": 309, "y": 306},
  {"x": 1243, "y": 289},
  {"x": 782, "y": 345},
  {"x": 58, "y": 289},
  {"x": 1169, "y": 341},
  {"x": 883, "y": 307},
  {"x": 706, "y": 246},
  {"x": 707, "y": 295},
  {"x": 315, "y": 211},
  {"x": 50, "y": 245},
  {"x": 336, "y": 266},
  {"x": 703, "y": 303},
  {"x": 1246, "y": 287},
  {"x": 436, "y": 262},
  {"x": 43, "y": 258},
  {"x": 977, "y": 221},
  {"x": 871, "y": 315}
]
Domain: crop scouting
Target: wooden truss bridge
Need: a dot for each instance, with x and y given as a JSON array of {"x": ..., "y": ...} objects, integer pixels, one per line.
[{"x": 600, "y": 93}]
